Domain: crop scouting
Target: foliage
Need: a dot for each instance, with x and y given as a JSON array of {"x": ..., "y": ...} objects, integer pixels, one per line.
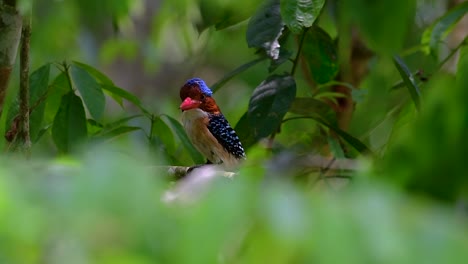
[{"x": 327, "y": 78}]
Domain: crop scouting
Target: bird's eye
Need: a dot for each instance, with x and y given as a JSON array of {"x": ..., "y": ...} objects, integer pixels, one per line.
[{"x": 202, "y": 97}]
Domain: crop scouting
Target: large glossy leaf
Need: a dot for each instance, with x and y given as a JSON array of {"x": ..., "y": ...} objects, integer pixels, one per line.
[
  {"x": 269, "y": 103},
  {"x": 265, "y": 28},
  {"x": 245, "y": 132},
  {"x": 180, "y": 132},
  {"x": 321, "y": 55},
  {"x": 384, "y": 24},
  {"x": 434, "y": 34},
  {"x": 38, "y": 85},
  {"x": 69, "y": 126},
  {"x": 90, "y": 90},
  {"x": 409, "y": 80},
  {"x": 300, "y": 14}
]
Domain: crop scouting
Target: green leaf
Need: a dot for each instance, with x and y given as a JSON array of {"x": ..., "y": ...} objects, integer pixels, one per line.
[
  {"x": 265, "y": 28},
  {"x": 223, "y": 14},
  {"x": 309, "y": 106},
  {"x": 69, "y": 127},
  {"x": 163, "y": 136},
  {"x": 235, "y": 72},
  {"x": 384, "y": 24},
  {"x": 462, "y": 70},
  {"x": 409, "y": 80},
  {"x": 354, "y": 142},
  {"x": 90, "y": 90},
  {"x": 38, "y": 85},
  {"x": 118, "y": 131},
  {"x": 335, "y": 147},
  {"x": 103, "y": 129},
  {"x": 245, "y": 132},
  {"x": 321, "y": 55},
  {"x": 434, "y": 34},
  {"x": 300, "y": 14},
  {"x": 101, "y": 78},
  {"x": 179, "y": 130},
  {"x": 58, "y": 88},
  {"x": 269, "y": 103},
  {"x": 121, "y": 121},
  {"x": 126, "y": 95}
]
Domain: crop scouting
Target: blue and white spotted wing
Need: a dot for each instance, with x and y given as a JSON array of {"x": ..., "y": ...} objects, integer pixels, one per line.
[{"x": 226, "y": 136}]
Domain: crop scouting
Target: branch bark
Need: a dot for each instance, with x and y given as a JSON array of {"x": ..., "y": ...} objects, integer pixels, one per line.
[
  {"x": 24, "y": 85},
  {"x": 10, "y": 32}
]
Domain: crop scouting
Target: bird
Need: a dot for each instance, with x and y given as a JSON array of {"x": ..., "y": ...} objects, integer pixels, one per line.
[{"x": 206, "y": 126}]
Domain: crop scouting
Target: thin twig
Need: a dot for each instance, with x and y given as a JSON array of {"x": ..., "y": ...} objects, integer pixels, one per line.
[{"x": 299, "y": 49}]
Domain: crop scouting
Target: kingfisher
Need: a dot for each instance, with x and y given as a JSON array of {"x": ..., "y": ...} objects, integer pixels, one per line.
[{"x": 207, "y": 127}]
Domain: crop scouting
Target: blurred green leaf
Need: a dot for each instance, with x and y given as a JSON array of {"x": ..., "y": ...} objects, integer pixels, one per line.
[
  {"x": 309, "y": 105},
  {"x": 265, "y": 28},
  {"x": 38, "y": 85},
  {"x": 335, "y": 148},
  {"x": 223, "y": 14},
  {"x": 90, "y": 91},
  {"x": 179, "y": 130},
  {"x": 269, "y": 103},
  {"x": 321, "y": 56},
  {"x": 300, "y": 14},
  {"x": 383, "y": 24},
  {"x": 409, "y": 81},
  {"x": 354, "y": 142},
  {"x": 434, "y": 34},
  {"x": 69, "y": 126}
]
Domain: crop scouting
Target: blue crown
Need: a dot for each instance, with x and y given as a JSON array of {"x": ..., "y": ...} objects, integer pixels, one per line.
[{"x": 203, "y": 87}]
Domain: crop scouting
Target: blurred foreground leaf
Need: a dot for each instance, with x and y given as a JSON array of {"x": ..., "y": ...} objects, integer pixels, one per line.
[{"x": 434, "y": 34}]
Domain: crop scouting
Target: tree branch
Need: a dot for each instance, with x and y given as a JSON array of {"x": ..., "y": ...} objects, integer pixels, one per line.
[
  {"x": 10, "y": 32},
  {"x": 24, "y": 85}
]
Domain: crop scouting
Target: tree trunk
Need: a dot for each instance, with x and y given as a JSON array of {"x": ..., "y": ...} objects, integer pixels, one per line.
[{"x": 10, "y": 32}]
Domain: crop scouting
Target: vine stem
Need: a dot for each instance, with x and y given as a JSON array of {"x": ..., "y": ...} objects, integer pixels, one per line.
[{"x": 299, "y": 49}]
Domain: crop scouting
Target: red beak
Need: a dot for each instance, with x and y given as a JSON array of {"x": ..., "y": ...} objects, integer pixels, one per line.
[{"x": 189, "y": 103}]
